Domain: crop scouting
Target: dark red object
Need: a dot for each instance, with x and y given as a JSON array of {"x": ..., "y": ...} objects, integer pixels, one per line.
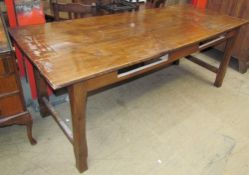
[
  {"x": 20, "y": 16},
  {"x": 194, "y": 2},
  {"x": 199, "y": 3}
]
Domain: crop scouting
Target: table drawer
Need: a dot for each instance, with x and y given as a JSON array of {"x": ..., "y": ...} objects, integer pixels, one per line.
[
  {"x": 185, "y": 51},
  {"x": 10, "y": 105},
  {"x": 6, "y": 64},
  {"x": 8, "y": 84}
]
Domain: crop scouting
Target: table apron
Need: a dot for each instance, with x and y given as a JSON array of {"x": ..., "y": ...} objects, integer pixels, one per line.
[{"x": 159, "y": 63}]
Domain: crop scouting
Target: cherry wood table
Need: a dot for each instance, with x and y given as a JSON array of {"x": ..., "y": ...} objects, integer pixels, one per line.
[{"x": 86, "y": 54}]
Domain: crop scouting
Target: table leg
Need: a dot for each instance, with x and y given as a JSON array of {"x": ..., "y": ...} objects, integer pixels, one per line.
[
  {"x": 41, "y": 92},
  {"x": 78, "y": 96},
  {"x": 177, "y": 62},
  {"x": 242, "y": 66},
  {"x": 225, "y": 61}
]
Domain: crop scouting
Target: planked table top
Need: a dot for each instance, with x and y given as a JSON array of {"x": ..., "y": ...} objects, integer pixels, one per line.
[{"x": 71, "y": 51}]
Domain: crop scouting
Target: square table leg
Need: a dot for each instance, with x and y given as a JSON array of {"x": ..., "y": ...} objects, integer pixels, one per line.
[
  {"x": 78, "y": 96},
  {"x": 225, "y": 61},
  {"x": 41, "y": 86}
]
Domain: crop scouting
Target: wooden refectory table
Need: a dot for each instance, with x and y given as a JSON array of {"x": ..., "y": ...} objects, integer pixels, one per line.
[{"x": 86, "y": 54}]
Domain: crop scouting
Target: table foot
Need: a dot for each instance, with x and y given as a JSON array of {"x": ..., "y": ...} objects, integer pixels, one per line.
[
  {"x": 225, "y": 61},
  {"x": 242, "y": 66},
  {"x": 177, "y": 62}
]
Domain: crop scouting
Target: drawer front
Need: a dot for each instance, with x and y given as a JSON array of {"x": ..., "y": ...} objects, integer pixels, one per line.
[
  {"x": 8, "y": 84},
  {"x": 10, "y": 105},
  {"x": 6, "y": 64},
  {"x": 174, "y": 55}
]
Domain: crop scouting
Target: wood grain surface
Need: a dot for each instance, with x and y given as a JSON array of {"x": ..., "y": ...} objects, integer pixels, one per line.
[{"x": 72, "y": 51}]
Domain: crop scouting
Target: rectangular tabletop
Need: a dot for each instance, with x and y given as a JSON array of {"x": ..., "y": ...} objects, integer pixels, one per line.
[{"x": 72, "y": 51}]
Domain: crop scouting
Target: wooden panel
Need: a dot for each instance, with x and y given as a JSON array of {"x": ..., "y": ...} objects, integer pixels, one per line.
[
  {"x": 10, "y": 105},
  {"x": 108, "y": 43},
  {"x": 139, "y": 69},
  {"x": 241, "y": 49},
  {"x": 6, "y": 64},
  {"x": 184, "y": 52},
  {"x": 8, "y": 84},
  {"x": 221, "y": 6},
  {"x": 236, "y": 8},
  {"x": 3, "y": 66}
]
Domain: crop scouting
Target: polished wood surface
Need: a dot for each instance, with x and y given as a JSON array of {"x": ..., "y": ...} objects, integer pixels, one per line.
[
  {"x": 236, "y": 8},
  {"x": 65, "y": 54}
]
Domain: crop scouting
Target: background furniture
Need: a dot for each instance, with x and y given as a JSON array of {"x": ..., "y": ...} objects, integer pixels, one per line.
[
  {"x": 155, "y": 3},
  {"x": 237, "y": 8},
  {"x": 12, "y": 106},
  {"x": 199, "y": 3},
  {"x": 74, "y": 10},
  {"x": 172, "y": 2},
  {"x": 116, "y": 6}
]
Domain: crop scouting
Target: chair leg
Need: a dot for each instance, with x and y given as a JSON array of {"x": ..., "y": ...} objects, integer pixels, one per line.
[
  {"x": 29, "y": 125},
  {"x": 177, "y": 62}
]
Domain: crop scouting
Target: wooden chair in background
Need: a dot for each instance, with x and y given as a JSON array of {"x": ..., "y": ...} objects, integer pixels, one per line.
[
  {"x": 155, "y": 3},
  {"x": 74, "y": 10}
]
